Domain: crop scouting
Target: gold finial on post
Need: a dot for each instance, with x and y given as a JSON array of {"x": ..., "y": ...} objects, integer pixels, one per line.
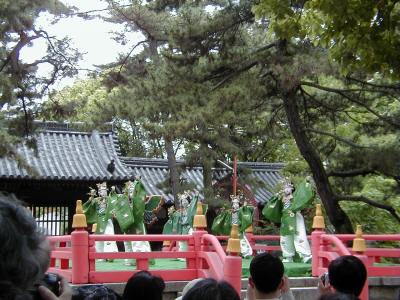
[
  {"x": 234, "y": 241},
  {"x": 318, "y": 221},
  {"x": 79, "y": 220},
  {"x": 249, "y": 229},
  {"x": 94, "y": 228},
  {"x": 359, "y": 242},
  {"x": 199, "y": 221}
]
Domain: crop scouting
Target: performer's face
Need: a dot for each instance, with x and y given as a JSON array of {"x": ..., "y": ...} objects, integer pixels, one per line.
[
  {"x": 185, "y": 202},
  {"x": 103, "y": 191},
  {"x": 131, "y": 189},
  {"x": 235, "y": 205},
  {"x": 287, "y": 190}
]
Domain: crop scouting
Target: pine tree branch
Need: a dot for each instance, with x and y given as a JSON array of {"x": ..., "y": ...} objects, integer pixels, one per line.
[
  {"x": 233, "y": 74},
  {"x": 351, "y": 173},
  {"x": 13, "y": 56},
  {"x": 141, "y": 24},
  {"x": 373, "y": 203},
  {"x": 383, "y": 86},
  {"x": 342, "y": 92},
  {"x": 266, "y": 47},
  {"x": 129, "y": 54},
  {"x": 45, "y": 35},
  {"x": 87, "y": 12},
  {"x": 346, "y": 141}
]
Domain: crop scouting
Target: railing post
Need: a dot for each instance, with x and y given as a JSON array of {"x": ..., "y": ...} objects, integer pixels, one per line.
[
  {"x": 199, "y": 225},
  {"x": 233, "y": 262},
  {"x": 80, "y": 247},
  {"x": 319, "y": 229},
  {"x": 359, "y": 249}
]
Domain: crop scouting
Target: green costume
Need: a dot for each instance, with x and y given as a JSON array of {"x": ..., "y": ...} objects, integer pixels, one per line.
[
  {"x": 181, "y": 221},
  {"x": 276, "y": 211},
  {"x": 130, "y": 211},
  {"x": 242, "y": 216},
  {"x": 96, "y": 211},
  {"x": 223, "y": 222},
  {"x": 285, "y": 208}
]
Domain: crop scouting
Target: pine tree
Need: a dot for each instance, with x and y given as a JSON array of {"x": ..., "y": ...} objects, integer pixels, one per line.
[{"x": 20, "y": 83}]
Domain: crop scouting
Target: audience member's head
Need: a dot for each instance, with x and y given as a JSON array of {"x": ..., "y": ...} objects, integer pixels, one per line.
[
  {"x": 144, "y": 286},
  {"x": 188, "y": 286},
  {"x": 347, "y": 274},
  {"x": 337, "y": 296},
  {"x": 266, "y": 273},
  {"x": 24, "y": 251},
  {"x": 210, "y": 289}
]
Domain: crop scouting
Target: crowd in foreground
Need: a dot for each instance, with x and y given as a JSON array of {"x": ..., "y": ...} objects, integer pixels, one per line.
[{"x": 25, "y": 257}]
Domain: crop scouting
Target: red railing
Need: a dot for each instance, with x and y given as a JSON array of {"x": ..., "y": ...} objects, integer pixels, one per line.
[
  {"x": 74, "y": 257},
  {"x": 217, "y": 264},
  {"x": 326, "y": 247},
  {"x": 61, "y": 255}
]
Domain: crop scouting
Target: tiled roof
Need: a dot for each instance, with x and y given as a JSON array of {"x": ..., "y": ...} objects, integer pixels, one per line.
[
  {"x": 69, "y": 155},
  {"x": 155, "y": 171}
]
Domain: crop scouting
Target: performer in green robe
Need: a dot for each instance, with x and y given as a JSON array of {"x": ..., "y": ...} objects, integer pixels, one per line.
[
  {"x": 240, "y": 215},
  {"x": 135, "y": 195},
  {"x": 131, "y": 210},
  {"x": 285, "y": 208},
  {"x": 181, "y": 220},
  {"x": 97, "y": 212}
]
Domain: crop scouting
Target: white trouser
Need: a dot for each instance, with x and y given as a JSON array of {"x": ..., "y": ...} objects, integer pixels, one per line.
[
  {"x": 245, "y": 247},
  {"x": 183, "y": 245},
  {"x": 108, "y": 246},
  {"x": 137, "y": 246},
  {"x": 290, "y": 244}
]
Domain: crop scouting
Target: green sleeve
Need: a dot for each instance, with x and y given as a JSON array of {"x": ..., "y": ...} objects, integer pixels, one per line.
[
  {"x": 168, "y": 227},
  {"x": 138, "y": 205},
  {"x": 245, "y": 217},
  {"x": 90, "y": 210},
  {"x": 222, "y": 223},
  {"x": 191, "y": 211},
  {"x": 272, "y": 210},
  {"x": 302, "y": 196},
  {"x": 217, "y": 224},
  {"x": 122, "y": 211}
]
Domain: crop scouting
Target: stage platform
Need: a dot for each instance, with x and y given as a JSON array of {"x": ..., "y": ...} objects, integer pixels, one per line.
[{"x": 291, "y": 269}]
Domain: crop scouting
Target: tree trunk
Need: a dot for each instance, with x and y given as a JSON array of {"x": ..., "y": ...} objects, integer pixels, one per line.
[
  {"x": 173, "y": 171},
  {"x": 336, "y": 215}
]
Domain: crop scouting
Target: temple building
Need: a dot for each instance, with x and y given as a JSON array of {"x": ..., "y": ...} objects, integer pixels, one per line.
[{"x": 68, "y": 161}]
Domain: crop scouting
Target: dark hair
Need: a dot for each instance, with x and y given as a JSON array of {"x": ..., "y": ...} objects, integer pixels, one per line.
[
  {"x": 210, "y": 289},
  {"x": 347, "y": 274},
  {"x": 24, "y": 251},
  {"x": 144, "y": 286},
  {"x": 266, "y": 272},
  {"x": 337, "y": 296}
]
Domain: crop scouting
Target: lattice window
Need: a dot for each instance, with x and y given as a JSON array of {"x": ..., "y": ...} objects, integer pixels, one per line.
[{"x": 52, "y": 220}]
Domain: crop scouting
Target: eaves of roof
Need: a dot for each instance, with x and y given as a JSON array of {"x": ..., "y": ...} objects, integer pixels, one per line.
[{"x": 68, "y": 155}]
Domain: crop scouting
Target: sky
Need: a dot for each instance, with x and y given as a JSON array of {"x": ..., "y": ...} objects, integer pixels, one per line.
[{"x": 91, "y": 37}]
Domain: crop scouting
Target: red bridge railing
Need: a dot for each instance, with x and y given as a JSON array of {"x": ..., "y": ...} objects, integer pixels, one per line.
[{"x": 75, "y": 257}]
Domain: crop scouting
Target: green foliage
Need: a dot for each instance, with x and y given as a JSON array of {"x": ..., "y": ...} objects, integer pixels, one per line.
[
  {"x": 20, "y": 84},
  {"x": 360, "y": 35},
  {"x": 169, "y": 87},
  {"x": 379, "y": 188}
]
